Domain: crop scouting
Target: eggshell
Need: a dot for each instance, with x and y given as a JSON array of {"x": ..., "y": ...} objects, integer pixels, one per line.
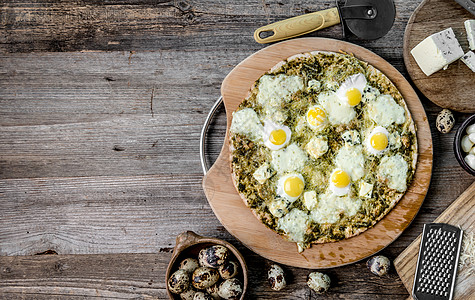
[
  {"x": 466, "y": 144},
  {"x": 471, "y": 129},
  {"x": 471, "y": 136},
  {"x": 470, "y": 160}
]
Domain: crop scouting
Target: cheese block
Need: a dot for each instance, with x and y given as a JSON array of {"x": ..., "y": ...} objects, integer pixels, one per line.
[
  {"x": 469, "y": 60},
  {"x": 437, "y": 51},
  {"x": 470, "y": 28}
]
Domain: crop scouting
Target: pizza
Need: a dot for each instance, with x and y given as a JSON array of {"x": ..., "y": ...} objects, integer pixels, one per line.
[{"x": 322, "y": 147}]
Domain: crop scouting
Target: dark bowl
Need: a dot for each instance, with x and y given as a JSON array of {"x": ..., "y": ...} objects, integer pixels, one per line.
[
  {"x": 189, "y": 244},
  {"x": 459, "y": 154}
]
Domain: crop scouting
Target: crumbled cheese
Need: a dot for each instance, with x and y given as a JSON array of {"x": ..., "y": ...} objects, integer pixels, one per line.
[
  {"x": 470, "y": 28},
  {"x": 469, "y": 60},
  {"x": 366, "y": 190},
  {"x": 310, "y": 199},
  {"x": 437, "y": 51},
  {"x": 262, "y": 173},
  {"x": 288, "y": 159},
  {"x": 384, "y": 111},
  {"x": 317, "y": 146},
  {"x": 370, "y": 94},
  {"x": 467, "y": 254},
  {"x": 247, "y": 122},
  {"x": 393, "y": 169},
  {"x": 351, "y": 137},
  {"x": 294, "y": 224},
  {"x": 278, "y": 207}
]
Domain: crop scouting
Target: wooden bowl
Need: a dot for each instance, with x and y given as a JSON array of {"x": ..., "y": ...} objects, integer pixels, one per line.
[
  {"x": 459, "y": 154},
  {"x": 189, "y": 244}
]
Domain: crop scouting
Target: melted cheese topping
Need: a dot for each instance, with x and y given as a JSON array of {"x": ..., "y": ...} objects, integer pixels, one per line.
[
  {"x": 274, "y": 90},
  {"x": 351, "y": 160},
  {"x": 384, "y": 111},
  {"x": 246, "y": 122},
  {"x": 330, "y": 207},
  {"x": 294, "y": 224},
  {"x": 310, "y": 199},
  {"x": 317, "y": 146},
  {"x": 393, "y": 169},
  {"x": 337, "y": 113},
  {"x": 289, "y": 159}
]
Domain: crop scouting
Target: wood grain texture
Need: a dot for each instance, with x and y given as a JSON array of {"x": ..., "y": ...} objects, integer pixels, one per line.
[
  {"x": 460, "y": 213},
  {"x": 452, "y": 88},
  {"x": 240, "y": 221},
  {"x": 88, "y": 171}
]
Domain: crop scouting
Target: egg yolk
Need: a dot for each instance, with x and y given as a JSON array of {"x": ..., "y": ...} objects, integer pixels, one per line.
[
  {"x": 354, "y": 96},
  {"x": 316, "y": 116},
  {"x": 379, "y": 141},
  {"x": 340, "y": 179},
  {"x": 293, "y": 186},
  {"x": 277, "y": 137}
]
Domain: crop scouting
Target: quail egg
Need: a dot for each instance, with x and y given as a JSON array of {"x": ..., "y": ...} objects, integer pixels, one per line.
[
  {"x": 230, "y": 289},
  {"x": 202, "y": 296},
  {"x": 276, "y": 278},
  {"x": 204, "y": 277},
  {"x": 318, "y": 282},
  {"x": 229, "y": 270},
  {"x": 213, "y": 291},
  {"x": 213, "y": 256},
  {"x": 179, "y": 282},
  {"x": 189, "y": 265},
  {"x": 445, "y": 121},
  {"x": 188, "y": 294},
  {"x": 378, "y": 265}
]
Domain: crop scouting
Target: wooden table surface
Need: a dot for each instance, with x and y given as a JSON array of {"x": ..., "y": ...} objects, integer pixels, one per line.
[{"x": 101, "y": 107}]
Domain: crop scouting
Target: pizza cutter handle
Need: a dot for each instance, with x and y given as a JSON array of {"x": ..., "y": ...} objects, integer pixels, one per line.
[
  {"x": 296, "y": 26},
  {"x": 204, "y": 164}
]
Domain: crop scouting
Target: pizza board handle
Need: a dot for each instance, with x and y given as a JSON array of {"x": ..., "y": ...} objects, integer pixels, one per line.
[
  {"x": 214, "y": 108},
  {"x": 296, "y": 26}
]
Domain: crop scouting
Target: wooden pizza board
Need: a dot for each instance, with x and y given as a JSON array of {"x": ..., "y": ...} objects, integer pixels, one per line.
[
  {"x": 241, "y": 222},
  {"x": 460, "y": 213},
  {"x": 452, "y": 88}
]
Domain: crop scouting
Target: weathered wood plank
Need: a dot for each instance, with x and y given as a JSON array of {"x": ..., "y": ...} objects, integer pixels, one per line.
[
  {"x": 125, "y": 276},
  {"x": 146, "y": 25}
]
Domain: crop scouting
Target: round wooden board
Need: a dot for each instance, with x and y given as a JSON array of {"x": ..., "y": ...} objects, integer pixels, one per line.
[
  {"x": 241, "y": 222},
  {"x": 452, "y": 88}
]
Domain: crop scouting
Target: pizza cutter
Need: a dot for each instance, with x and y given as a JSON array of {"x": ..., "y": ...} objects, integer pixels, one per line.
[{"x": 367, "y": 19}]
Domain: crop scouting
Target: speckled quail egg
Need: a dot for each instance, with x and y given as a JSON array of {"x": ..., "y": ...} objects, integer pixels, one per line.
[
  {"x": 202, "y": 296},
  {"x": 318, "y": 282},
  {"x": 213, "y": 291},
  {"x": 188, "y": 294},
  {"x": 351, "y": 90},
  {"x": 228, "y": 270},
  {"x": 276, "y": 278},
  {"x": 445, "y": 121},
  {"x": 378, "y": 265},
  {"x": 204, "y": 277},
  {"x": 189, "y": 265},
  {"x": 179, "y": 282},
  {"x": 213, "y": 256},
  {"x": 230, "y": 289}
]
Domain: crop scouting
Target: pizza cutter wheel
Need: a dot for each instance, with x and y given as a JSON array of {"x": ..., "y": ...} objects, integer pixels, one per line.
[{"x": 367, "y": 19}]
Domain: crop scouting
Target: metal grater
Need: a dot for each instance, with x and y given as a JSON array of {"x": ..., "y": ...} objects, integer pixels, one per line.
[{"x": 437, "y": 262}]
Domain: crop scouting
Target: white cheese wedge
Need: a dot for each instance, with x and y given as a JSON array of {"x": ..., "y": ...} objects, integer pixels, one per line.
[
  {"x": 437, "y": 51},
  {"x": 469, "y": 60},
  {"x": 470, "y": 28}
]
